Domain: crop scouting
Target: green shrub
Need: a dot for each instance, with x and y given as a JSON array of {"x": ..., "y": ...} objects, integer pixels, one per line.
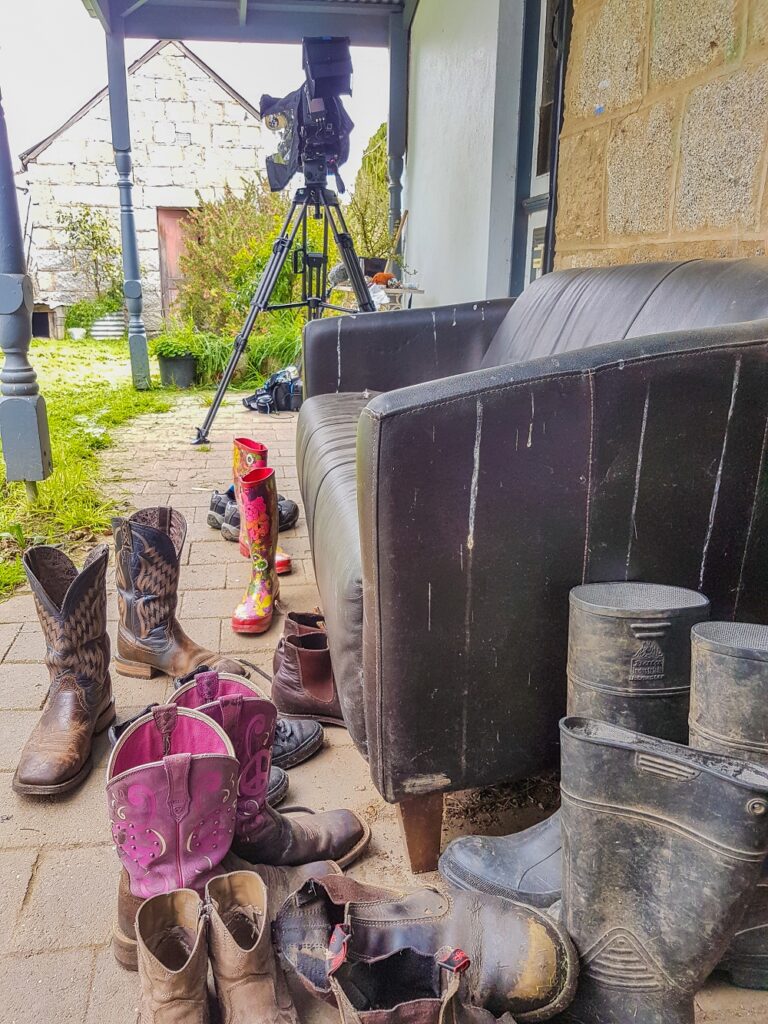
[
  {"x": 179, "y": 339},
  {"x": 210, "y": 351},
  {"x": 86, "y": 311}
]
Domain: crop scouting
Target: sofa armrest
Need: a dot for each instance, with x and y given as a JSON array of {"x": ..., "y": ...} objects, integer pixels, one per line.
[
  {"x": 383, "y": 351},
  {"x": 484, "y": 498}
]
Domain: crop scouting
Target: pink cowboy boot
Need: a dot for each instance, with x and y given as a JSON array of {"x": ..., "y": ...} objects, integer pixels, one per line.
[
  {"x": 263, "y": 835},
  {"x": 172, "y": 798},
  {"x": 248, "y": 455},
  {"x": 259, "y": 497}
]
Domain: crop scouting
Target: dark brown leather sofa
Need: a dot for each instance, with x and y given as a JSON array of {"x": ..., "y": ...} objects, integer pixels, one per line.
[{"x": 608, "y": 425}]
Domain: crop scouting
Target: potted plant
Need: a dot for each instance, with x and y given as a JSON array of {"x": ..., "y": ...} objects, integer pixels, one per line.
[{"x": 176, "y": 350}]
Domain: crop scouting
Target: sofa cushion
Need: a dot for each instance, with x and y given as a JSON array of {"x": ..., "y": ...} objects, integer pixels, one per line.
[
  {"x": 575, "y": 309},
  {"x": 326, "y": 463}
]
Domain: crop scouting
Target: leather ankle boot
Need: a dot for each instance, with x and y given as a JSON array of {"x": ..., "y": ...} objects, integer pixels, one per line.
[
  {"x": 248, "y": 455},
  {"x": 259, "y": 497},
  {"x": 662, "y": 848},
  {"x": 72, "y": 608},
  {"x": 173, "y": 959},
  {"x": 150, "y": 640},
  {"x": 522, "y": 960},
  {"x": 250, "y": 986},
  {"x": 303, "y": 683},
  {"x": 172, "y": 798},
  {"x": 629, "y": 664},
  {"x": 729, "y": 715}
]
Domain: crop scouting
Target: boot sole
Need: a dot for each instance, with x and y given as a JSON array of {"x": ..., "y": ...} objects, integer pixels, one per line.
[
  {"x": 125, "y": 950},
  {"x": 105, "y": 719},
  {"x": 748, "y": 973},
  {"x": 356, "y": 850},
  {"x": 214, "y": 520},
  {"x": 325, "y": 719},
  {"x": 135, "y": 669},
  {"x": 250, "y": 627}
]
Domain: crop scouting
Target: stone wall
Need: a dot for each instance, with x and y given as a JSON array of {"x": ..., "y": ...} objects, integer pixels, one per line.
[
  {"x": 188, "y": 135},
  {"x": 665, "y": 139}
]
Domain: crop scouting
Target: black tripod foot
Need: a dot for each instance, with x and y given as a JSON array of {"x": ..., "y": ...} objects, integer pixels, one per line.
[{"x": 200, "y": 437}]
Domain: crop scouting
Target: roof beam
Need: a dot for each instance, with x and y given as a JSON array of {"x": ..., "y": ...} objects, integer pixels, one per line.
[
  {"x": 243, "y": 11},
  {"x": 99, "y": 9},
  {"x": 409, "y": 11},
  {"x": 134, "y": 7}
]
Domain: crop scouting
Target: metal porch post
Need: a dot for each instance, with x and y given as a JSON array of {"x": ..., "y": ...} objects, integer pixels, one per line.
[
  {"x": 397, "y": 123},
  {"x": 121, "y": 143},
  {"x": 23, "y": 416}
]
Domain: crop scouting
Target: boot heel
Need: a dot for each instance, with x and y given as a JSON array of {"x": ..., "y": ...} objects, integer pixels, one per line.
[
  {"x": 748, "y": 975},
  {"x": 135, "y": 669},
  {"x": 125, "y": 950}
]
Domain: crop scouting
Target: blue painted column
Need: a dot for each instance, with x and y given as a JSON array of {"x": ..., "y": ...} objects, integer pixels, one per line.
[
  {"x": 397, "y": 122},
  {"x": 121, "y": 143},
  {"x": 23, "y": 416}
]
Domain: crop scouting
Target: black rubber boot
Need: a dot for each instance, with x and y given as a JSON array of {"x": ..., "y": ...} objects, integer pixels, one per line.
[
  {"x": 628, "y": 664},
  {"x": 662, "y": 848},
  {"x": 729, "y": 715}
]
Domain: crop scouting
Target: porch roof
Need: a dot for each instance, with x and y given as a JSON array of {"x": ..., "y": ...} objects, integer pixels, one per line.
[{"x": 366, "y": 22}]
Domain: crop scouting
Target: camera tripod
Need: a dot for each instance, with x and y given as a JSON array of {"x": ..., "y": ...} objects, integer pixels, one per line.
[{"x": 313, "y": 267}]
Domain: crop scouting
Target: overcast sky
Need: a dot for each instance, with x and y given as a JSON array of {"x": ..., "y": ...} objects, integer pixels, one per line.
[{"x": 52, "y": 59}]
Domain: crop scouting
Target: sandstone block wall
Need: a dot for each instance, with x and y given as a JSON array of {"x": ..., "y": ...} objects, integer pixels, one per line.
[
  {"x": 664, "y": 149},
  {"x": 188, "y": 135}
]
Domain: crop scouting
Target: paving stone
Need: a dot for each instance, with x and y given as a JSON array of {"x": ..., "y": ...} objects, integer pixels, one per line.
[
  {"x": 8, "y": 633},
  {"x": 215, "y": 552},
  {"x": 16, "y": 869},
  {"x": 23, "y": 687},
  {"x": 52, "y": 987},
  {"x": 17, "y": 725},
  {"x": 209, "y": 603},
  {"x": 20, "y": 608},
  {"x": 202, "y": 577},
  {"x": 28, "y": 645},
  {"x": 114, "y": 994},
  {"x": 69, "y": 902}
]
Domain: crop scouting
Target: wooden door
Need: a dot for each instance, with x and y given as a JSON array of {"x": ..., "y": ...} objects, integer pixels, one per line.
[{"x": 170, "y": 233}]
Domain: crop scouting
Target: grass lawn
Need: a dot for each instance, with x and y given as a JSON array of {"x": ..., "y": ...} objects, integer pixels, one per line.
[{"x": 88, "y": 392}]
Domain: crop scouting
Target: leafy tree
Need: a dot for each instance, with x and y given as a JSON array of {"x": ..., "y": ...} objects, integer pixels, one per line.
[
  {"x": 368, "y": 210},
  {"x": 94, "y": 250}
]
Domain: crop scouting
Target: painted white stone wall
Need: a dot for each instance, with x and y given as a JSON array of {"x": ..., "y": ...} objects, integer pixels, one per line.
[
  {"x": 462, "y": 148},
  {"x": 188, "y": 135}
]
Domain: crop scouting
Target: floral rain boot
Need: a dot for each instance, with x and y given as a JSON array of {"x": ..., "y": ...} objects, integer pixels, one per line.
[
  {"x": 259, "y": 498},
  {"x": 248, "y": 455}
]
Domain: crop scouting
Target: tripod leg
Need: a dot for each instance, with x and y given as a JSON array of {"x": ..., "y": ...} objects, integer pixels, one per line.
[
  {"x": 346, "y": 247},
  {"x": 260, "y": 301}
]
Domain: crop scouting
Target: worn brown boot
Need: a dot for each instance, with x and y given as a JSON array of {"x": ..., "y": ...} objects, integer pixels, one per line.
[
  {"x": 303, "y": 684},
  {"x": 250, "y": 985},
  {"x": 72, "y": 608},
  {"x": 173, "y": 959},
  {"x": 150, "y": 640}
]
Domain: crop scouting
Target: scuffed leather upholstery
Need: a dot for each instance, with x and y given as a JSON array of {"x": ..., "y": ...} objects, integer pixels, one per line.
[{"x": 484, "y": 496}]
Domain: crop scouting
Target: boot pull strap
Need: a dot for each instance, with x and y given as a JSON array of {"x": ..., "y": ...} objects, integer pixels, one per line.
[
  {"x": 207, "y": 685},
  {"x": 177, "y": 774},
  {"x": 164, "y": 519},
  {"x": 166, "y": 716}
]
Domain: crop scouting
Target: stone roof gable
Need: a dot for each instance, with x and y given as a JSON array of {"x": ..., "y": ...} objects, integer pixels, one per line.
[{"x": 31, "y": 154}]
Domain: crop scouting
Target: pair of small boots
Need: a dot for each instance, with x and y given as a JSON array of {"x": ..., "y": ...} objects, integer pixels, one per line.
[
  {"x": 188, "y": 783},
  {"x": 177, "y": 933},
  {"x": 303, "y": 684}
]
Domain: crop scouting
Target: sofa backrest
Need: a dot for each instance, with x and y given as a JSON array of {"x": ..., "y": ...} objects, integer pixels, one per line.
[{"x": 574, "y": 309}]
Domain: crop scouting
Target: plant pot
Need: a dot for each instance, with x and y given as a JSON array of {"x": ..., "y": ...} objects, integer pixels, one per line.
[
  {"x": 77, "y": 333},
  {"x": 177, "y": 371},
  {"x": 112, "y": 325}
]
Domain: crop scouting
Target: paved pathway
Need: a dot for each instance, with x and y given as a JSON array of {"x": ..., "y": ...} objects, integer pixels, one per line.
[{"x": 58, "y": 870}]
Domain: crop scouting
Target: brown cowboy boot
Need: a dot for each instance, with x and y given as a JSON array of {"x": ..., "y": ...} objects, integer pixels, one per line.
[
  {"x": 303, "y": 684},
  {"x": 72, "y": 608},
  {"x": 250, "y": 985},
  {"x": 173, "y": 959},
  {"x": 150, "y": 640}
]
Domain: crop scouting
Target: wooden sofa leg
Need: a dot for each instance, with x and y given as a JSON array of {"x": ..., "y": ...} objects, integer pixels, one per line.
[{"x": 421, "y": 822}]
